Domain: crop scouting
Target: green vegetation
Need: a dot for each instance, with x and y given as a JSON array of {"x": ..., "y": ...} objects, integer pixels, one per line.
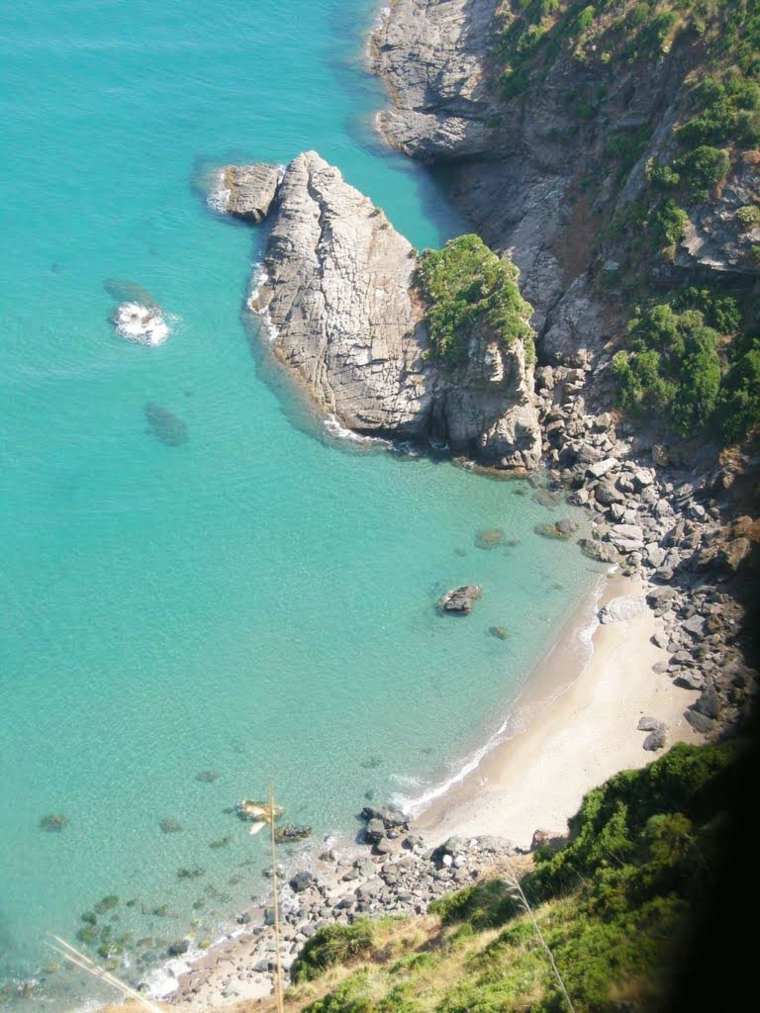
[
  {"x": 674, "y": 366},
  {"x": 333, "y": 944},
  {"x": 749, "y": 216},
  {"x": 611, "y": 905},
  {"x": 468, "y": 289}
]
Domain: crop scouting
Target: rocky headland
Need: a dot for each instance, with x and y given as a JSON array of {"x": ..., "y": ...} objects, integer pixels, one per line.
[{"x": 338, "y": 297}]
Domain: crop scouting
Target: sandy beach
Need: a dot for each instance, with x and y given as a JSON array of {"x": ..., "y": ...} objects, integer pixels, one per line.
[
  {"x": 578, "y": 722},
  {"x": 576, "y": 726}
]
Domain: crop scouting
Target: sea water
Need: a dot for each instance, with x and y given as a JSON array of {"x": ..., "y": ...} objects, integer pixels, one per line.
[{"x": 194, "y": 578}]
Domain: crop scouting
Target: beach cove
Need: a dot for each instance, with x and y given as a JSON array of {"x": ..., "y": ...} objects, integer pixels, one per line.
[{"x": 189, "y": 572}]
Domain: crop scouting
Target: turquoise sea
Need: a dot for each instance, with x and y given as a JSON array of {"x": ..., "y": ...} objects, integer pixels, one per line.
[{"x": 256, "y": 601}]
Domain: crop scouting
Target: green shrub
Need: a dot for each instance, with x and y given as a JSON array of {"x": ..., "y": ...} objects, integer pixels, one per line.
[
  {"x": 668, "y": 224},
  {"x": 467, "y": 288},
  {"x": 702, "y": 169},
  {"x": 749, "y": 216},
  {"x": 349, "y": 997},
  {"x": 729, "y": 113},
  {"x": 662, "y": 177},
  {"x": 719, "y": 311},
  {"x": 482, "y": 906},
  {"x": 697, "y": 395},
  {"x": 612, "y": 819},
  {"x": 332, "y": 944},
  {"x": 738, "y": 410}
]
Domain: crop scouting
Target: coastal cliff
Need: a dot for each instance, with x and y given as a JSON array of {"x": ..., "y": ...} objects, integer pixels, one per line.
[
  {"x": 565, "y": 128},
  {"x": 340, "y": 301},
  {"x": 612, "y": 154}
]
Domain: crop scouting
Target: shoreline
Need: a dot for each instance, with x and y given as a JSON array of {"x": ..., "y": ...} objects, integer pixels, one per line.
[{"x": 575, "y": 726}]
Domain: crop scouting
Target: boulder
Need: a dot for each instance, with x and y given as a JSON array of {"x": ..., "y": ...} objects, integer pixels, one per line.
[
  {"x": 303, "y": 880},
  {"x": 623, "y": 609},
  {"x": 603, "y": 552},
  {"x": 655, "y": 740},
  {"x": 460, "y": 600},
  {"x": 245, "y": 191},
  {"x": 145, "y": 325},
  {"x": 649, "y": 724}
]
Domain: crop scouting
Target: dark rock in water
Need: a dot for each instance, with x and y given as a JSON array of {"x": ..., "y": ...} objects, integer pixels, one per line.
[
  {"x": 391, "y": 816},
  {"x": 460, "y": 552},
  {"x": 165, "y": 426},
  {"x": 170, "y": 826},
  {"x": 551, "y": 531},
  {"x": 87, "y": 934},
  {"x": 106, "y": 904},
  {"x": 489, "y": 538},
  {"x": 207, "y": 776},
  {"x": 546, "y": 499},
  {"x": 289, "y": 834},
  {"x": 177, "y": 948},
  {"x": 374, "y": 832},
  {"x": 222, "y": 842},
  {"x": 371, "y": 763},
  {"x": 566, "y": 526},
  {"x": 460, "y": 600},
  {"x": 301, "y": 881},
  {"x": 500, "y": 632},
  {"x": 193, "y": 873},
  {"x": 54, "y": 822},
  {"x": 122, "y": 290}
]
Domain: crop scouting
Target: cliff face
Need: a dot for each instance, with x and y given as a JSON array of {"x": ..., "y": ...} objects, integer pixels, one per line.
[
  {"x": 547, "y": 125},
  {"x": 338, "y": 298}
]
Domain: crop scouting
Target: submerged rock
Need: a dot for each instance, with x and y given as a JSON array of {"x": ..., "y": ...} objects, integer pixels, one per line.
[
  {"x": 289, "y": 834},
  {"x": 170, "y": 826},
  {"x": 207, "y": 776},
  {"x": 165, "y": 426},
  {"x": 500, "y": 632},
  {"x": 142, "y": 324},
  {"x": 54, "y": 823},
  {"x": 489, "y": 538},
  {"x": 246, "y": 191},
  {"x": 460, "y": 600},
  {"x": 557, "y": 530}
]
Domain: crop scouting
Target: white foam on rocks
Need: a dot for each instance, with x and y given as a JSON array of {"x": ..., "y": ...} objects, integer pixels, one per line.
[{"x": 144, "y": 325}]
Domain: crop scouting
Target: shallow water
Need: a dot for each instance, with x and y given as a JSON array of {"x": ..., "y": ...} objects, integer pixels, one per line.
[{"x": 192, "y": 579}]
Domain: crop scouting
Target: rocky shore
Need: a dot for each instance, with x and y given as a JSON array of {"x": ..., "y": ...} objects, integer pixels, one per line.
[{"x": 390, "y": 871}]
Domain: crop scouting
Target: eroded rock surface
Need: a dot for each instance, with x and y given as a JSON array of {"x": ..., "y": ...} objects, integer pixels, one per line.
[
  {"x": 338, "y": 299},
  {"x": 246, "y": 191},
  {"x": 430, "y": 54}
]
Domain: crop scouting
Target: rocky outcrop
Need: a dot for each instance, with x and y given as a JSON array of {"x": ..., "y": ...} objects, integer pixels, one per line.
[
  {"x": 245, "y": 191},
  {"x": 460, "y": 600},
  {"x": 541, "y": 170},
  {"x": 716, "y": 238},
  {"x": 430, "y": 54},
  {"x": 337, "y": 297}
]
